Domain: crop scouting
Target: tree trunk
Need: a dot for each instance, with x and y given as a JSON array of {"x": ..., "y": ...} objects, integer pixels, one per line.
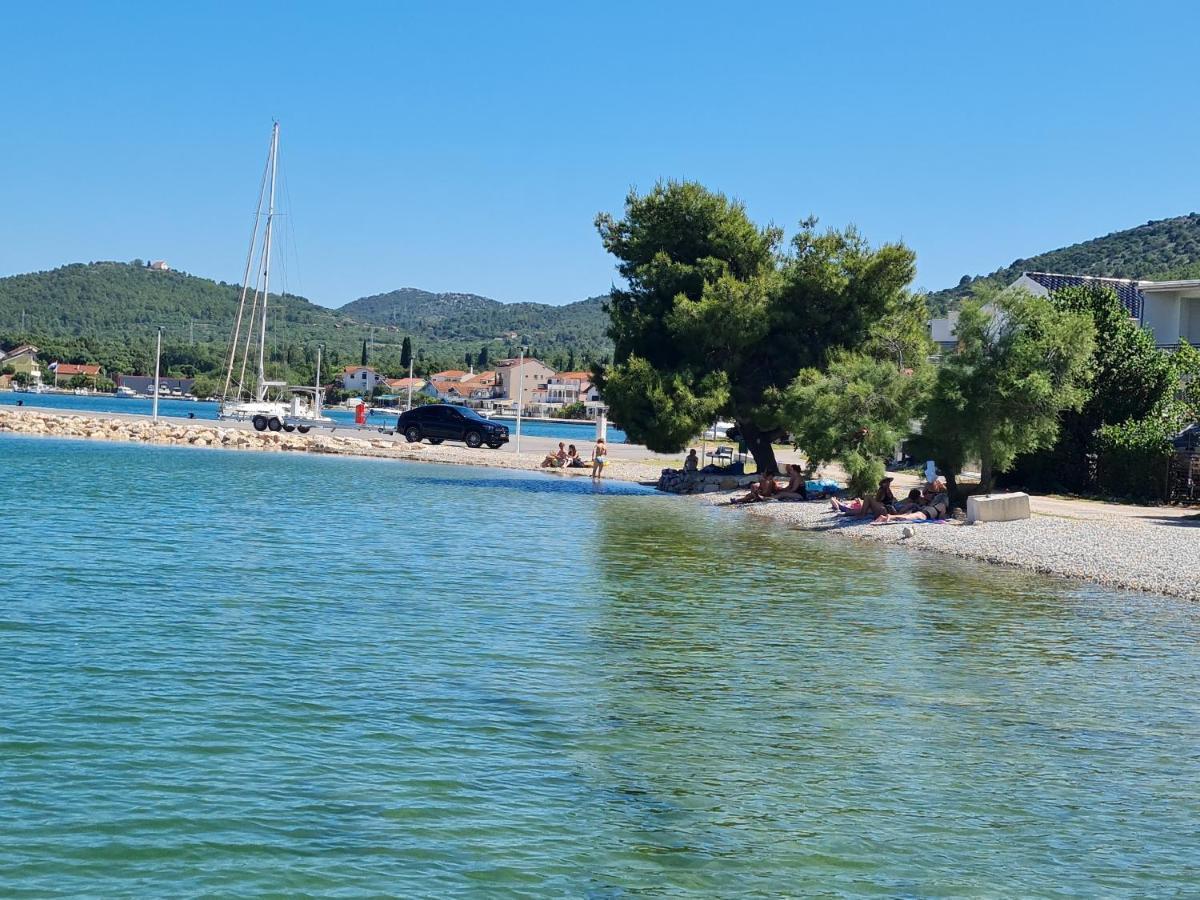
[
  {"x": 985, "y": 472},
  {"x": 758, "y": 442},
  {"x": 951, "y": 486}
]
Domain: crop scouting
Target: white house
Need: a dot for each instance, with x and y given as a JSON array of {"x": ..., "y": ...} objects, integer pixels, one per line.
[
  {"x": 360, "y": 378},
  {"x": 520, "y": 377},
  {"x": 1169, "y": 310}
]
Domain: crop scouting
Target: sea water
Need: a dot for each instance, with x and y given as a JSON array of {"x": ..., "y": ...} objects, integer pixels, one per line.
[{"x": 241, "y": 673}]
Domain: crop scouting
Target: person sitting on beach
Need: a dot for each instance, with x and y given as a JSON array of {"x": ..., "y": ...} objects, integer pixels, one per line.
[
  {"x": 764, "y": 489},
  {"x": 692, "y": 463},
  {"x": 935, "y": 505},
  {"x": 795, "y": 488},
  {"x": 556, "y": 460},
  {"x": 914, "y": 501},
  {"x": 573, "y": 460},
  {"x": 883, "y": 503}
]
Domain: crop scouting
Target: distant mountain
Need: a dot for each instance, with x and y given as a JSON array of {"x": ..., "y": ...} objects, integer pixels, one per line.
[
  {"x": 472, "y": 318},
  {"x": 1166, "y": 248},
  {"x": 111, "y": 299},
  {"x": 110, "y": 312}
]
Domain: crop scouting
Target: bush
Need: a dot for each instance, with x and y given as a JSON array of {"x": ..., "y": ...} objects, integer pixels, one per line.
[
  {"x": 573, "y": 411},
  {"x": 863, "y": 473},
  {"x": 1133, "y": 458}
]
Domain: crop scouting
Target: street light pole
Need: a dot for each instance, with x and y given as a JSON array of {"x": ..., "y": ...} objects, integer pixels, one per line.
[
  {"x": 520, "y": 393},
  {"x": 157, "y": 360}
]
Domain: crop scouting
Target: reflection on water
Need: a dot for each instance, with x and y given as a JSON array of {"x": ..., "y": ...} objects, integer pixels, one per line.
[{"x": 237, "y": 673}]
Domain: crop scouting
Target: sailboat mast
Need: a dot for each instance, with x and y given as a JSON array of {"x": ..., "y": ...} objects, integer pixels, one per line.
[{"x": 262, "y": 332}]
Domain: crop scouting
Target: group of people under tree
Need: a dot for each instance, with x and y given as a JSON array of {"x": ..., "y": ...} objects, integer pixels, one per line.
[
  {"x": 922, "y": 504},
  {"x": 567, "y": 457}
]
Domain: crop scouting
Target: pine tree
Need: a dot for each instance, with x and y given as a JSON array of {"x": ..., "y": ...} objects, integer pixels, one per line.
[
  {"x": 406, "y": 353},
  {"x": 364, "y": 353},
  {"x": 482, "y": 359}
]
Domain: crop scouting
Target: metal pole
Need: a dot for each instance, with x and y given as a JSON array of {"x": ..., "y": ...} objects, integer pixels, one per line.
[
  {"x": 261, "y": 393},
  {"x": 520, "y": 393},
  {"x": 410, "y": 377},
  {"x": 318, "y": 398},
  {"x": 157, "y": 359}
]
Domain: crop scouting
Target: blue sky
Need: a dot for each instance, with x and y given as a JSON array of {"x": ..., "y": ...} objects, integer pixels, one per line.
[{"x": 460, "y": 146}]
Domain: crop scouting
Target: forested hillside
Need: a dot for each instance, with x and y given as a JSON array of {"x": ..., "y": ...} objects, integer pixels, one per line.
[
  {"x": 1166, "y": 248},
  {"x": 109, "y": 313},
  {"x": 471, "y": 318}
]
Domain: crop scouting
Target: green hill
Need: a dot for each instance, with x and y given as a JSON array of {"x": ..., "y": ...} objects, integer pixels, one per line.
[
  {"x": 1166, "y": 248},
  {"x": 473, "y": 319},
  {"x": 109, "y": 313}
]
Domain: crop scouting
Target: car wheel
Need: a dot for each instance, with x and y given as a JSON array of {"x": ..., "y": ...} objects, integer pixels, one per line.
[
  {"x": 303, "y": 429},
  {"x": 474, "y": 439},
  {"x": 274, "y": 424},
  {"x": 436, "y": 441},
  {"x": 260, "y": 423},
  {"x": 412, "y": 434},
  {"x": 289, "y": 428}
]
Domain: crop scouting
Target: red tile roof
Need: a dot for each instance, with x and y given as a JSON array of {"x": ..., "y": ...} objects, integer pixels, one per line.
[{"x": 72, "y": 369}]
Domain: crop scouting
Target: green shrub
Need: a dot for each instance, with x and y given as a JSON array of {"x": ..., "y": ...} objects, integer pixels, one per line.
[
  {"x": 1133, "y": 458},
  {"x": 863, "y": 472}
]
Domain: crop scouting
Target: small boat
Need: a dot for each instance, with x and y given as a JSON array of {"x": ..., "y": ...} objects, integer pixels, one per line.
[{"x": 124, "y": 391}]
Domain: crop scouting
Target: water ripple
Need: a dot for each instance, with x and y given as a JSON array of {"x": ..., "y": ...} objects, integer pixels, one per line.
[{"x": 240, "y": 674}]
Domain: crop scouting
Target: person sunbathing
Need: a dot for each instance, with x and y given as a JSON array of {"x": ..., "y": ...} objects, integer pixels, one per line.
[
  {"x": 765, "y": 489},
  {"x": 881, "y": 504},
  {"x": 935, "y": 505},
  {"x": 913, "y": 501},
  {"x": 795, "y": 488}
]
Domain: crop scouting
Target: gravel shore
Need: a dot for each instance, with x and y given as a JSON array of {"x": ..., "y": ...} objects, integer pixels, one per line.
[
  {"x": 342, "y": 442},
  {"x": 1155, "y": 554}
]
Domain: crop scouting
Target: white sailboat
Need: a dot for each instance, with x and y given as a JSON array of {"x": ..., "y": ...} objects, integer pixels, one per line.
[{"x": 261, "y": 401}]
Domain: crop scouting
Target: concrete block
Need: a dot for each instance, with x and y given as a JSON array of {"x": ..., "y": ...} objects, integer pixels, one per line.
[{"x": 997, "y": 508}]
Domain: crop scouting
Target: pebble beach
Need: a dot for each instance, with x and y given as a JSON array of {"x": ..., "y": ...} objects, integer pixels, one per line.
[{"x": 1155, "y": 553}]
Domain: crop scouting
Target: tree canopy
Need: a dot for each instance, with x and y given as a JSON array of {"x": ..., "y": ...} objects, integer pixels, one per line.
[
  {"x": 1129, "y": 379},
  {"x": 718, "y": 320},
  {"x": 1020, "y": 363}
]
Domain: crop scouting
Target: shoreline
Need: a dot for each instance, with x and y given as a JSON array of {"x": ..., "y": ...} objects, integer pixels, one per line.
[
  {"x": 235, "y": 436},
  {"x": 1150, "y": 552},
  {"x": 1154, "y": 555}
]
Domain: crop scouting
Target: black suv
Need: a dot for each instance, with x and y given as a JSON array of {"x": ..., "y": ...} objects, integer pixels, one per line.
[{"x": 441, "y": 422}]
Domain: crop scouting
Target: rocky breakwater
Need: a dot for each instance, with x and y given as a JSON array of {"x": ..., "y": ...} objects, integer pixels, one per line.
[
  {"x": 144, "y": 431},
  {"x": 677, "y": 481}
]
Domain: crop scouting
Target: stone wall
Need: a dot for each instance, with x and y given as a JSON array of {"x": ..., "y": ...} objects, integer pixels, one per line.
[{"x": 677, "y": 481}]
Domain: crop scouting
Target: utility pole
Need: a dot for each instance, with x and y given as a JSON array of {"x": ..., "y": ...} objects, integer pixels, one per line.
[
  {"x": 157, "y": 359},
  {"x": 410, "y": 377},
  {"x": 520, "y": 394}
]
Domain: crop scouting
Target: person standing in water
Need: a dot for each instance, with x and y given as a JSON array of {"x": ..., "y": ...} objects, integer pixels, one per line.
[{"x": 599, "y": 458}]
